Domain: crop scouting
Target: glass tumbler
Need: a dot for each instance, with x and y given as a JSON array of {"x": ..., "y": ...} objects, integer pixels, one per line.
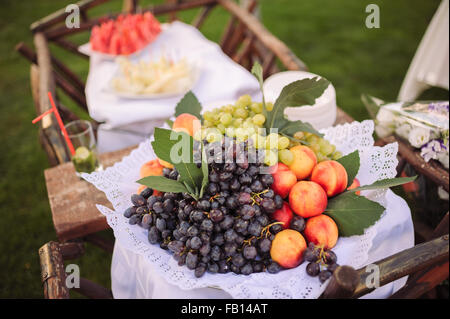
[{"x": 82, "y": 137}]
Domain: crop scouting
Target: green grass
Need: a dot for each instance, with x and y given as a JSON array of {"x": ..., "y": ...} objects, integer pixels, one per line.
[{"x": 328, "y": 35}]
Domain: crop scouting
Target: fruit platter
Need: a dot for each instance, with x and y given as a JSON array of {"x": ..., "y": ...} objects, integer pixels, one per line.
[
  {"x": 126, "y": 35},
  {"x": 162, "y": 78},
  {"x": 242, "y": 199}
]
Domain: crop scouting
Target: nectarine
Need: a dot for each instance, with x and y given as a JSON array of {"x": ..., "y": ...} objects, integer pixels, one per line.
[
  {"x": 287, "y": 248},
  {"x": 151, "y": 168},
  {"x": 304, "y": 161},
  {"x": 321, "y": 230},
  {"x": 187, "y": 123},
  {"x": 355, "y": 184},
  {"x": 283, "y": 180},
  {"x": 332, "y": 176},
  {"x": 308, "y": 199},
  {"x": 283, "y": 215}
]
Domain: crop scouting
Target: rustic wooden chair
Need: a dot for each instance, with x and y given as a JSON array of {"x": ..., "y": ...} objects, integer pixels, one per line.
[{"x": 245, "y": 40}]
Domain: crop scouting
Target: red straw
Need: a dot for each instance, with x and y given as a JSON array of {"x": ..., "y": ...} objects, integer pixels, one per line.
[{"x": 54, "y": 110}]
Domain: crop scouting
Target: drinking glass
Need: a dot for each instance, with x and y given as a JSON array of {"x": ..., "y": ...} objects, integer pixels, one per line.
[{"x": 82, "y": 137}]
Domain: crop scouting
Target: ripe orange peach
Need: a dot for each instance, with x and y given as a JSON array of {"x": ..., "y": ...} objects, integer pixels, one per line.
[
  {"x": 355, "y": 184},
  {"x": 287, "y": 248},
  {"x": 308, "y": 199},
  {"x": 332, "y": 176},
  {"x": 187, "y": 123},
  {"x": 283, "y": 215},
  {"x": 283, "y": 180},
  {"x": 151, "y": 168},
  {"x": 165, "y": 164},
  {"x": 321, "y": 230},
  {"x": 140, "y": 189},
  {"x": 304, "y": 161}
]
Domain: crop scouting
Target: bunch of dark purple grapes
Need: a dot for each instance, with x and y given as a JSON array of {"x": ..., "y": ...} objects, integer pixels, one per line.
[
  {"x": 229, "y": 227},
  {"x": 322, "y": 262}
]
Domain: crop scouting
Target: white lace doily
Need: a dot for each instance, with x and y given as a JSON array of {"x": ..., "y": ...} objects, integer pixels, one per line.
[{"x": 118, "y": 183}]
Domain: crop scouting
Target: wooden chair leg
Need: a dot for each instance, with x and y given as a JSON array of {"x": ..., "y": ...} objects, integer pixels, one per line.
[
  {"x": 52, "y": 272},
  {"x": 53, "y": 275}
]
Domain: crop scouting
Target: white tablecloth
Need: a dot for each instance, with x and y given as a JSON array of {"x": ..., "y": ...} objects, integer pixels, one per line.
[
  {"x": 129, "y": 121},
  {"x": 134, "y": 277}
]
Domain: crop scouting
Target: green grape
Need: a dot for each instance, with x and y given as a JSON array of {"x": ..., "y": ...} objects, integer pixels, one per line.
[
  {"x": 230, "y": 131},
  {"x": 337, "y": 155},
  {"x": 272, "y": 141},
  {"x": 283, "y": 142},
  {"x": 226, "y": 118},
  {"x": 251, "y": 114},
  {"x": 213, "y": 135},
  {"x": 312, "y": 139},
  {"x": 270, "y": 158},
  {"x": 208, "y": 116},
  {"x": 227, "y": 108},
  {"x": 208, "y": 123},
  {"x": 241, "y": 113},
  {"x": 321, "y": 157},
  {"x": 198, "y": 135},
  {"x": 244, "y": 101},
  {"x": 269, "y": 106},
  {"x": 237, "y": 122},
  {"x": 258, "y": 141},
  {"x": 256, "y": 107},
  {"x": 259, "y": 119},
  {"x": 286, "y": 156},
  {"x": 240, "y": 132},
  {"x": 299, "y": 135},
  {"x": 325, "y": 147},
  {"x": 221, "y": 128},
  {"x": 315, "y": 148}
]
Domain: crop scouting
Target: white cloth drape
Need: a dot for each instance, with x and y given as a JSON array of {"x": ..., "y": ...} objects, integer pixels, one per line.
[
  {"x": 130, "y": 121},
  {"x": 429, "y": 66}
]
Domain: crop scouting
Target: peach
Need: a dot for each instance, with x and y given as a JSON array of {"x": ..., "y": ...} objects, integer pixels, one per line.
[
  {"x": 187, "y": 123},
  {"x": 283, "y": 215},
  {"x": 283, "y": 180},
  {"x": 151, "y": 168},
  {"x": 304, "y": 161},
  {"x": 332, "y": 176},
  {"x": 165, "y": 164},
  {"x": 321, "y": 230},
  {"x": 355, "y": 184},
  {"x": 287, "y": 248},
  {"x": 308, "y": 199},
  {"x": 140, "y": 189}
]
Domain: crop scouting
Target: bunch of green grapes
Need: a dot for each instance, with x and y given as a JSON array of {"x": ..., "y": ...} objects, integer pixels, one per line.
[
  {"x": 323, "y": 149},
  {"x": 244, "y": 120}
]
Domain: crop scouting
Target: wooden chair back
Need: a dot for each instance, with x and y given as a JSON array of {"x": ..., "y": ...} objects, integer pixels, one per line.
[{"x": 244, "y": 39}]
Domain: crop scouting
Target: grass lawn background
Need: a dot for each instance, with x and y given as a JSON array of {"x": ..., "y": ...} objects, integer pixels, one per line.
[{"x": 328, "y": 35}]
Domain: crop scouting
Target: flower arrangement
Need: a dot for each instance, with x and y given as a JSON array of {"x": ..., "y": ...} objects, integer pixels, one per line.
[{"x": 425, "y": 125}]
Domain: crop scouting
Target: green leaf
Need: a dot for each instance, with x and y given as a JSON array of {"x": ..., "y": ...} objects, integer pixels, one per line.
[
  {"x": 189, "y": 104},
  {"x": 257, "y": 71},
  {"x": 163, "y": 184},
  {"x": 294, "y": 126},
  {"x": 351, "y": 163},
  {"x": 170, "y": 123},
  {"x": 385, "y": 183},
  {"x": 168, "y": 148},
  {"x": 297, "y": 94},
  {"x": 372, "y": 104},
  {"x": 352, "y": 213}
]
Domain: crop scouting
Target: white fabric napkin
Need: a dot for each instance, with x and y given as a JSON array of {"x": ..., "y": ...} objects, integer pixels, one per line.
[{"x": 220, "y": 78}]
